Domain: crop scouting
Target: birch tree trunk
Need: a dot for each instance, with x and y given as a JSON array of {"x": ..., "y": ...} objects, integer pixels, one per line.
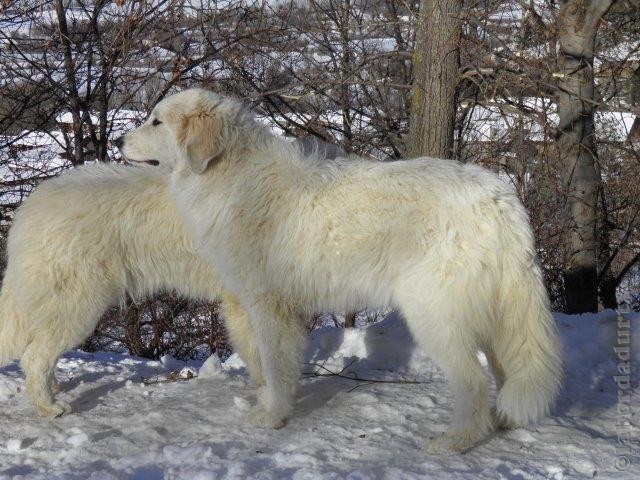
[
  {"x": 578, "y": 22},
  {"x": 436, "y": 62}
]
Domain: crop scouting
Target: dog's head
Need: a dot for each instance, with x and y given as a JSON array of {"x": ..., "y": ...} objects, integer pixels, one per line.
[{"x": 187, "y": 130}]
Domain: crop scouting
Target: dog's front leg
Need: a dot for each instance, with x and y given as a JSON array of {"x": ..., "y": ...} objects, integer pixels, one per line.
[
  {"x": 280, "y": 338},
  {"x": 242, "y": 336}
]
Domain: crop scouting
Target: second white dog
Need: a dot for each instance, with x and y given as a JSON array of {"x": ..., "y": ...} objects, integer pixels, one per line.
[
  {"x": 448, "y": 244},
  {"x": 76, "y": 246}
]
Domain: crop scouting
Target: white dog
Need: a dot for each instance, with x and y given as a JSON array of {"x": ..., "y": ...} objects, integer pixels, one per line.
[
  {"x": 76, "y": 245},
  {"x": 448, "y": 244}
]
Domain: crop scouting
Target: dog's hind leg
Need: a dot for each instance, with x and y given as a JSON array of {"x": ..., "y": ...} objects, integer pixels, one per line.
[
  {"x": 38, "y": 362},
  {"x": 439, "y": 329},
  {"x": 56, "y": 332},
  {"x": 280, "y": 338},
  {"x": 499, "y": 376}
]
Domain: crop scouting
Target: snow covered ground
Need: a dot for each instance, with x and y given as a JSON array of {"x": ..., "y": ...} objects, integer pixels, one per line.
[{"x": 341, "y": 429}]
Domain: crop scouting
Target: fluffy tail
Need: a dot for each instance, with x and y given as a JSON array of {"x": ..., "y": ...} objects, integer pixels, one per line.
[
  {"x": 527, "y": 344},
  {"x": 12, "y": 337}
]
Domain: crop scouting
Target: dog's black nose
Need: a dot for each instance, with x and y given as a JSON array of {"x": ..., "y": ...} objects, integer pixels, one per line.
[{"x": 119, "y": 141}]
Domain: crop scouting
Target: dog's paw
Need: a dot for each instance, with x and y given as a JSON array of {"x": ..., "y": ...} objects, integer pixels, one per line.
[
  {"x": 259, "y": 417},
  {"x": 450, "y": 443},
  {"x": 56, "y": 409},
  {"x": 500, "y": 422}
]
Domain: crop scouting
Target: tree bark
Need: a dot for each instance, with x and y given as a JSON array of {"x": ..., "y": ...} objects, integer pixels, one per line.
[
  {"x": 578, "y": 22},
  {"x": 436, "y": 63},
  {"x": 350, "y": 319}
]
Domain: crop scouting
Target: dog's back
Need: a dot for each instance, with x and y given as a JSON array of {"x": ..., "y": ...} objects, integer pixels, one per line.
[{"x": 88, "y": 236}]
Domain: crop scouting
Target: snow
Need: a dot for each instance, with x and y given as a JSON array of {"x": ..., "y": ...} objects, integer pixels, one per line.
[
  {"x": 77, "y": 438},
  {"x": 67, "y": 117},
  {"x": 242, "y": 404},
  {"x": 494, "y": 120},
  {"x": 341, "y": 428},
  {"x": 211, "y": 368},
  {"x": 170, "y": 363},
  {"x": 14, "y": 445}
]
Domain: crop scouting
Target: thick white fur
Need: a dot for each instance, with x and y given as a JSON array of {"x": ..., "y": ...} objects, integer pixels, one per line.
[
  {"x": 448, "y": 244},
  {"x": 75, "y": 246}
]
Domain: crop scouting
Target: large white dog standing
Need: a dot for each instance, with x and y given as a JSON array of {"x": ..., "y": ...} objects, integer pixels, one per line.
[
  {"x": 76, "y": 246},
  {"x": 448, "y": 244}
]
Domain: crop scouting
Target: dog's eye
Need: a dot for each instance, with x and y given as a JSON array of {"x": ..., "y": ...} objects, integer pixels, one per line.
[{"x": 156, "y": 122}]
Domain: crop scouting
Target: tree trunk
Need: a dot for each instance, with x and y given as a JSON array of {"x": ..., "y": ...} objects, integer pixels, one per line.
[
  {"x": 578, "y": 22},
  {"x": 350, "y": 320},
  {"x": 607, "y": 283},
  {"x": 436, "y": 62},
  {"x": 608, "y": 287}
]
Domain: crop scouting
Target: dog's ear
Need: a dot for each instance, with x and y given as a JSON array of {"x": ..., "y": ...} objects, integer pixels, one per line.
[{"x": 198, "y": 139}]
